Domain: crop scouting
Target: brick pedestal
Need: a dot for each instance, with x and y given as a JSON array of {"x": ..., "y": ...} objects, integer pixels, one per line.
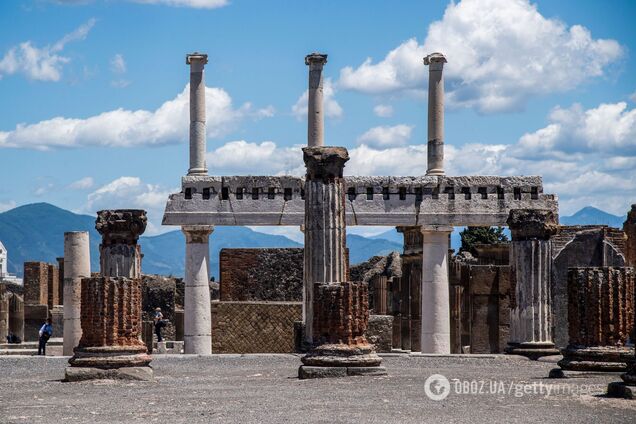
[
  {"x": 110, "y": 346},
  {"x": 600, "y": 316}
]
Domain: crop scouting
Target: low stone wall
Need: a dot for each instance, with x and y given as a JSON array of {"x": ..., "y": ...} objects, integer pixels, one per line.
[
  {"x": 380, "y": 332},
  {"x": 254, "y": 327}
]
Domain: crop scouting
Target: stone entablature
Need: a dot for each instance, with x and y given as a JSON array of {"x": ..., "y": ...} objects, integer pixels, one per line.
[{"x": 426, "y": 200}]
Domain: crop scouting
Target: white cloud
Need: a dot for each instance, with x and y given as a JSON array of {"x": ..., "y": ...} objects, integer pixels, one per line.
[
  {"x": 383, "y": 111},
  {"x": 242, "y": 157},
  {"x": 197, "y": 4},
  {"x": 332, "y": 107},
  {"x": 82, "y": 184},
  {"x": 500, "y": 53},
  {"x": 41, "y": 64},
  {"x": 387, "y": 136},
  {"x": 167, "y": 124},
  {"x": 131, "y": 193},
  {"x": 118, "y": 64},
  {"x": 5, "y": 206},
  {"x": 43, "y": 189}
]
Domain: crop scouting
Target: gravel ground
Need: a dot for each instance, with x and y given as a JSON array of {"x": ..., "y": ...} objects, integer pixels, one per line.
[{"x": 264, "y": 388}]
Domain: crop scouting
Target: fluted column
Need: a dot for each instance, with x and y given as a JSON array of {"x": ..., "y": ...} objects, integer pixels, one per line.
[
  {"x": 435, "y": 304},
  {"x": 435, "y": 62},
  {"x": 197, "y": 335},
  {"x": 77, "y": 265},
  {"x": 531, "y": 263},
  {"x": 197, "y": 62},
  {"x": 325, "y": 233},
  {"x": 315, "y": 114}
]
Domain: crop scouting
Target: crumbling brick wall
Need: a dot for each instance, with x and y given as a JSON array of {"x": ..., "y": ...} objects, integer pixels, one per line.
[
  {"x": 261, "y": 274},
  {"x": 53, "y": 288},
  {"x": 254, "y": 327},
  {"x": 36, "y": 283}
]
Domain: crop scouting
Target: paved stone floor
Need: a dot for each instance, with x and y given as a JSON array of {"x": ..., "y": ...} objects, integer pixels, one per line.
[{"x": 264, "y": 388}]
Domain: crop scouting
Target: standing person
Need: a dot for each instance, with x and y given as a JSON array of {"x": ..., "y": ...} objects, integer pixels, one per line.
[
  {"x": 158, "y": 324},
  {"x": 45, "y": 335}
]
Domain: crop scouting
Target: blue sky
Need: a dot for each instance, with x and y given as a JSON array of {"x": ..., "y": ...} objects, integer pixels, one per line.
[{"x": 93, "y": 108}]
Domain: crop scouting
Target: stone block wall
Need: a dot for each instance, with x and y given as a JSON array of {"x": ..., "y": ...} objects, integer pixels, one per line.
[
  {"x": 36, "y": 283},
  {"x": 16, "y": 315},
  {"x": 261, "y": 274},
  {"x": 254, "y": 327},
  {"x": 57, "y": 318},
  {"x": 53, "y": 286},
  {"x": 580, "y": 246},
  {"x": 380, "y": 332}
]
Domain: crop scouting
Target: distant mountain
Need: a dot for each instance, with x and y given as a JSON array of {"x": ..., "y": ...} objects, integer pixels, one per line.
[
  {"x": 395, "y": 237},
  {"x": 35, "y": 232},
  {"x": 592, "y": 216}
]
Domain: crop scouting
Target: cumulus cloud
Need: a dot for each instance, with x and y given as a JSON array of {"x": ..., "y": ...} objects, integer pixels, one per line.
[
  {"x": 197, "y": 4},
  {"x": 387, "y": 136},
  {"x": 332, "y": 107},
  {"x": 41, "y": 64},
  {"x": 82, "y": 184},
  {"x": 242, "y": 157},
  {"x": 131, "y": 193},
  {"x": 383, "y": 111},
  {"x": 500, "y": 53},
  {"x": 167, "y": 124}
]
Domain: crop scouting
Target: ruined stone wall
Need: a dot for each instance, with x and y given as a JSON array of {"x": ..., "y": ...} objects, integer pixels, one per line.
[
  {"x": 4, "y": 313},
  {"x": 53, "y": 286},
  {"x": 341, "y": 312},
  {"x": 36, "y": 283},
  {"x": 261, "y": 274},
  {"x": 629, "y": 227},
  {"x": 489, "y": 303},
  {"x": 601, "y": 306},
  {"x": 254, "y": 327},
  {"x": 580, "y": 246},
  {"x": 160, "y": 291}
]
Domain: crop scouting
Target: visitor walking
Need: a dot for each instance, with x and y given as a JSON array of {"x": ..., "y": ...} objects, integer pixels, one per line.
[
  {"x": 45, "y": 335},
  {"x": 159, "y": 324}
]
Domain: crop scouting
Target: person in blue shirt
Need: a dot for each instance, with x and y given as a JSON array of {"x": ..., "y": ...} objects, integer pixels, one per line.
[{"x": 45, "y": 335}]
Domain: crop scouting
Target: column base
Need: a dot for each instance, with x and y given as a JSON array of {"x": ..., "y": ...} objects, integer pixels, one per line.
[
  {"x": 621, "y": 390},
  {"x": 596, "y": 358},
  {"x": 532, "y": 350},
  {"x": 110, "y": 357},
  {"x": 197, "y": 345},
  {"x": 74, "y": 374},
  {"x": 340, "y": 360}
]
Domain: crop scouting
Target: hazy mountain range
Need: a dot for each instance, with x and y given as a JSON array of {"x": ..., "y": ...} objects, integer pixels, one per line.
[{"x": 35, "y": 232}]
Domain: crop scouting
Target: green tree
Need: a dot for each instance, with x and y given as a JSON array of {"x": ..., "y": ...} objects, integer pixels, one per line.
[{"x": 481, "y": 235}]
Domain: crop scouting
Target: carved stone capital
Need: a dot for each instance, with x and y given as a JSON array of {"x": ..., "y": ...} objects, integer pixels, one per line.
[
  {"x": 197, "y": 233},
  {"x": 436, "y": 61},
  {"x": 121, "y": 226},
  {"x": 325, "y": 163},
  {"x": 528, "y": 224},
  {"x": 316, "y": 60}
]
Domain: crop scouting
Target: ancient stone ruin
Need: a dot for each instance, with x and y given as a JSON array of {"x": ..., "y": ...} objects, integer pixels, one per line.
[{"x": 110, "y": 345}]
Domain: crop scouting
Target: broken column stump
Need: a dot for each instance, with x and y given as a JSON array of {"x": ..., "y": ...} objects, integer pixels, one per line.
[
  {"x": 110, "y": 346},
  {"x": 600, "y": 316}
]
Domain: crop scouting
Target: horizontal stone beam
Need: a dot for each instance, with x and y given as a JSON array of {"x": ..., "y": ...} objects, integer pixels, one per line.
[{"x": 392, "y": 201}]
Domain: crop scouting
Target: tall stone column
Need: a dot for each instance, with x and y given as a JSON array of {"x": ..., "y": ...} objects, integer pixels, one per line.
[
  {"x": 315, "y": 114},
  {"x": 435, "y": 303},
  {"x": 600, "y": 319},
  {"x": 325, "y": 233},
  {"x": 197, "y": 313},
  {"x": 435, "y": 63},
  {"x": 339, "y": 311},
  {"x": 530, "y": 266},
  {"x": 110, "y": 346},
  {"x": 77, "y": 265},
  {"x": 197, "y": 62}
]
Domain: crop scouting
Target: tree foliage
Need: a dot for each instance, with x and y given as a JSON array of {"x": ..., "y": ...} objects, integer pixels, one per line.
[{"x": 481, "y": 235}]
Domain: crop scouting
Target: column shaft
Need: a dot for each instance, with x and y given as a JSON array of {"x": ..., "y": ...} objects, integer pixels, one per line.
[
  {"x": 77, "y": 265},
  {"x": 197, "y": 313},
  {"x": 315, "y": 113},
  {"x": 435, "y": 316},
  {"x": 197, "y": 114},
  {"x": 435, "y": 154}
]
